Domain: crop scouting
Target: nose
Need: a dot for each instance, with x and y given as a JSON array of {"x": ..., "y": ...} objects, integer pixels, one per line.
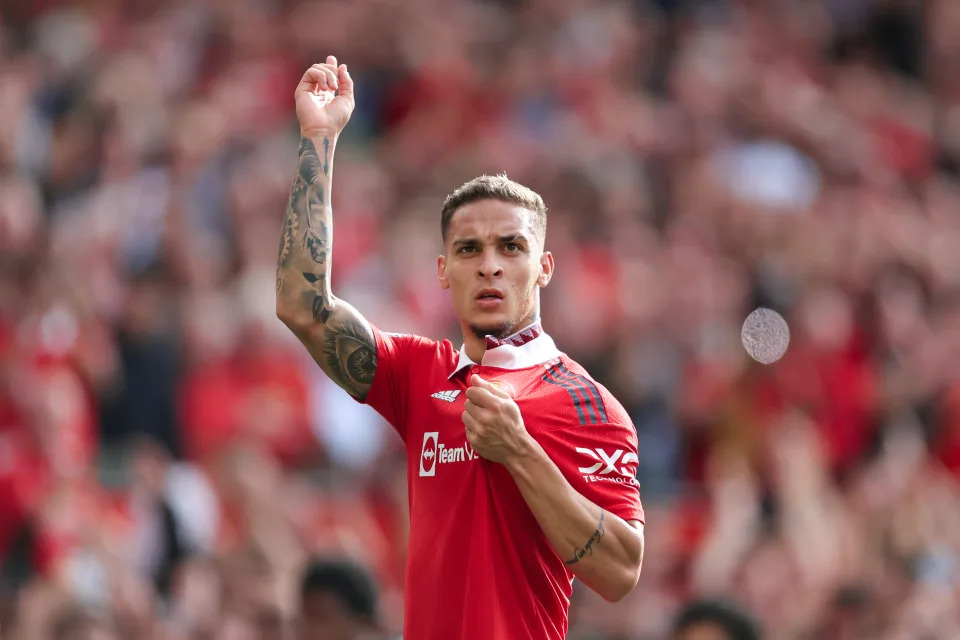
[{"x": 490, "y": 265}]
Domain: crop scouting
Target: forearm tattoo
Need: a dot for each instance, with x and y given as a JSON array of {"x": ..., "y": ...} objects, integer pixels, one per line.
[
  {"x": 587, "y": 549},
  {"x": 344, "y": 346}
]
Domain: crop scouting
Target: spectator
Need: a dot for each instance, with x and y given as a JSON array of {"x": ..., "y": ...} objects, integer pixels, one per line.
[
  {"x": 338, "y": 601},
  {"x": 714, "y": 620}
]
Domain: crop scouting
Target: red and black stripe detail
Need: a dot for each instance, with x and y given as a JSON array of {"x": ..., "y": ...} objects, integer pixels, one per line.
[{"x": 583, "y": 392}]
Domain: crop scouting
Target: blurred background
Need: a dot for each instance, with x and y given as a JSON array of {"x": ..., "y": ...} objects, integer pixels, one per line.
[{"x": 171, "y": 459}]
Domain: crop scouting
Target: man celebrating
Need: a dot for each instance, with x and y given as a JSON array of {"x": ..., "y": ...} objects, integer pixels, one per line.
[{"x": 521, "y": 468}]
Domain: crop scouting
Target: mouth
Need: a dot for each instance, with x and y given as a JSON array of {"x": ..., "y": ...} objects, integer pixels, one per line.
[
  {"x": 489, "y": 294},
  {"x": 489, "y": 298}
]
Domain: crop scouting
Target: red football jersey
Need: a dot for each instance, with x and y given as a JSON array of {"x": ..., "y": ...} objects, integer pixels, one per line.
[{"x": 478, "y": 564}]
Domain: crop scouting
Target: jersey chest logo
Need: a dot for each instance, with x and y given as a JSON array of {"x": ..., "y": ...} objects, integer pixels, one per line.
[
  {"x": 433, "y": 453},
  {"x": 447, "y": 396}
]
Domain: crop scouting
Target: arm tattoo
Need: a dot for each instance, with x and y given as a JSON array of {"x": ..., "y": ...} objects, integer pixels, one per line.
[
  {"x": 587, "y": 549},
  {"x": 291, "y": 224},
  {"x": 351, "y": 353},
  {"x": 326, "y": 156},
  {"x": 344, "y": 346},
  {"x": 309, "y": 168},
  {"x": 315, "y": 235}
]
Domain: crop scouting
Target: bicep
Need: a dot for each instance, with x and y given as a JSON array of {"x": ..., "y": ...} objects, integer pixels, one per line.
[{"x": 345, "y": 348}]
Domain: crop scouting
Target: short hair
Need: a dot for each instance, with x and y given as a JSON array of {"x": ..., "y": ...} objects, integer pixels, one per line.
[
  {"x": 346, "y": 580},
  {"x": 498, "y": 187},
  {"x": 735, "y": 622}
]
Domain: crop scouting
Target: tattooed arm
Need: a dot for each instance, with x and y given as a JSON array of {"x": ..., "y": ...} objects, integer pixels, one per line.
[
  {"x": 604, "y": 551},
  {"x": 334, "y": 333}
]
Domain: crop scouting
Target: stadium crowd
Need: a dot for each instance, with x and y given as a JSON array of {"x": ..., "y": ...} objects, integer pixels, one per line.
[{"x": 171, "y": 459}]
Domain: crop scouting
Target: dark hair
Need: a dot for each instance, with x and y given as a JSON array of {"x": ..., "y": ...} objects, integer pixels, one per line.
[
  {"x": 498, "y": 187},
  {"x": 735, "y": 623},
  {"x": 347, "y": 581}
]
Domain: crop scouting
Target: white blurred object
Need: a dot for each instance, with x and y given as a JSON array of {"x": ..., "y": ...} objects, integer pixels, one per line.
[
  {"x": 58, "y": 329},
  {"x": 86, "y": 578},
  {"x": 194, "y": 504},
  {"x": 67, "y": 37},
  {"x": 765, "y": 335},
  {"x": 769, "y": 174},
  {"x": 352, "y": 434}
]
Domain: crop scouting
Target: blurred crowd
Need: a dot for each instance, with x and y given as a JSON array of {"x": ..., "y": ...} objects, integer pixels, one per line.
[{"x": 170, "y": 458}]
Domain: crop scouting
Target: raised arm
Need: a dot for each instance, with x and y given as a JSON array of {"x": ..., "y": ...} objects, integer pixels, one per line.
[{"x": 334, "y": 333}]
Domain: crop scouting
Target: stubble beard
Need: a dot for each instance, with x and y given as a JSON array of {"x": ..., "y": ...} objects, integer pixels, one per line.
[
  {"x": 499, "y": 331},
  {"x": 507, "y": 328},
  {"x": 504, "y": 329}
]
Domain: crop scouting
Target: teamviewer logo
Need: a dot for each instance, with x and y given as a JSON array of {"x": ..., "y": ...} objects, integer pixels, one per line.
[{"x": 428, "y": 454}]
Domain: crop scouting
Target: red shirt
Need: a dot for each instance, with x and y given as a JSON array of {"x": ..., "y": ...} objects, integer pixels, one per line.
[{"x": 478, "y": 564}]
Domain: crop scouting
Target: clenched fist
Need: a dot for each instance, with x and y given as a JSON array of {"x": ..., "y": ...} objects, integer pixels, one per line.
[
  {"x": 324, "y": 98},
  {"x": 493, "y": 423}
]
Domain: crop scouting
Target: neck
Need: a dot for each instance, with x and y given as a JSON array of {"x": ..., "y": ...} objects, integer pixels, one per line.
[{"x": 476, "y": 346}]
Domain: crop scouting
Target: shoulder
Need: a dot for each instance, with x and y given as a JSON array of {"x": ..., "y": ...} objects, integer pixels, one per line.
[
  {"x": 413, "y": 347},
  {"x": 568, "y": 375},
  {"x": 414, "y": 341}
]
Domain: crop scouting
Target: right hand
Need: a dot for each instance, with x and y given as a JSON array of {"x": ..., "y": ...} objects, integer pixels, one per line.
[{"x": 324, "y": 98}]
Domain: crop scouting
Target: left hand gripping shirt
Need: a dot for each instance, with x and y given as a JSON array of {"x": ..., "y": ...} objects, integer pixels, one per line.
[{"x": 478, "y": 564}]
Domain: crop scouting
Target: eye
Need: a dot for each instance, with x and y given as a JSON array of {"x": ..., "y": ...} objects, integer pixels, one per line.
[
  {"x": 512, "y": 247},
  {"x": 467, "y": 249}
]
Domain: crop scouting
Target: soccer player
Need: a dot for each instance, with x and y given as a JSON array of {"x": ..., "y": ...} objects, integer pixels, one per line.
[{"x": 521, "y": 468}]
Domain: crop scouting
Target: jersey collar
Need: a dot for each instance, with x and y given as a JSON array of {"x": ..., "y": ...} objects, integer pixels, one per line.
[{"x": 528, "y": 347}]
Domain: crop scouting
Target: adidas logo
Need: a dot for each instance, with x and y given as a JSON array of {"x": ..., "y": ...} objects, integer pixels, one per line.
[{"x": 448, "y": 396}]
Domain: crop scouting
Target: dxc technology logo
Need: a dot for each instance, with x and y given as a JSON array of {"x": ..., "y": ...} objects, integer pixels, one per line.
[{"x": 603, "y": 470}]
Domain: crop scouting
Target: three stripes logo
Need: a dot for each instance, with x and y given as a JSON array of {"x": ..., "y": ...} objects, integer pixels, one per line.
[
  {"x": 583, "y": 392},
  {"x": 448, "y": 396}
]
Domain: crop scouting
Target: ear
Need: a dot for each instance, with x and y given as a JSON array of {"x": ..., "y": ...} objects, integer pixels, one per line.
[
  {"x": 442, "y": 272},
  {"x": 546, "y": 269}
]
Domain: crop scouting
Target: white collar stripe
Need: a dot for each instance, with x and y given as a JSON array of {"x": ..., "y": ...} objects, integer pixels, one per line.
[{"x": 526, "y": 348}]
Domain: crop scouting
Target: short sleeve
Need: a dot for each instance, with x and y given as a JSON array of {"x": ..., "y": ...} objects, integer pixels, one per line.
[
  {"x": 398, "y": 356},
  {"x": 600, "y": 462}
]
